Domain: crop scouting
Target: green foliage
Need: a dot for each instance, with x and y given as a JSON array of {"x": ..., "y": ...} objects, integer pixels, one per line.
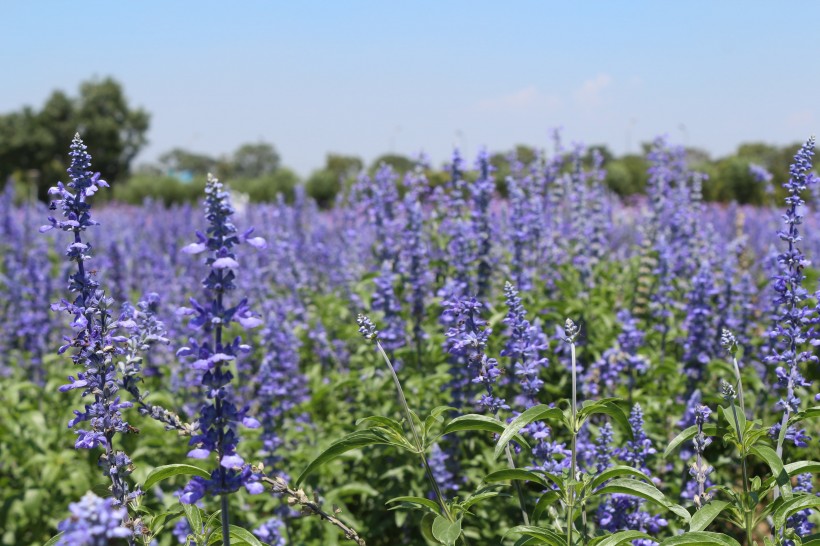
[{"x": 32, "y": 143}]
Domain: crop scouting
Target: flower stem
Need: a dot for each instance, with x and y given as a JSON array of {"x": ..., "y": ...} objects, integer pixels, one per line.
[
  {"x": 574, "y": 432},
  {"x": 419, "y": 447}
]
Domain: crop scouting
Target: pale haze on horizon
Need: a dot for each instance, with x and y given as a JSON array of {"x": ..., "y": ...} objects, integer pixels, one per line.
[{"x": 366, "y": 78}]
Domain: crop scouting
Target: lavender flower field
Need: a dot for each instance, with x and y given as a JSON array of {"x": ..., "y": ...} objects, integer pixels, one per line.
[{"x": 423, "y": 363}]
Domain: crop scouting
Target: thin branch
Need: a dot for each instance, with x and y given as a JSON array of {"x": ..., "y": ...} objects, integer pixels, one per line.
[{"x": 298, "y": 496}]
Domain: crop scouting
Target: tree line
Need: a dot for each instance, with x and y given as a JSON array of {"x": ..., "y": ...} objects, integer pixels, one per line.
[{"x": 32, "y": 144}]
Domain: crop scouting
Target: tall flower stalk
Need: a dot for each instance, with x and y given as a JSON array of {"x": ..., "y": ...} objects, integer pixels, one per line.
[
  {"x": 370, "y": 333},
  {"x": 212, "y": 356},
  {"x": 789, "y": 335},
  {"x": 571, "y": 332},
  {"x": 95, "y": 343}
]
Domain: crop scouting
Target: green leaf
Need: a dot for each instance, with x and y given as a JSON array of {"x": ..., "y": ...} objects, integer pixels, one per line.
[
  {"x": 194, "y": 517},
  {"x": 427, "y": 526},
  {"x": 380, "y": 421},
  {"x": 515, "y": 474},
  {"x": 709, "y": 429},
  {"x": 478, "y": 497},
  {"x": 446, "y": 531},
  {"x": 164, "y": 472},
  {"x": 792, "y": 506},
  {"x": 621, "y": 538},
  {"x": 53, "y": 540},
  {"x": 795, "y": 468},
  {"x": 421, "y": 501},
  {"x": 535, "y": 413},
  {"x": 730, "y": 418},
  {"x": 244, "y": 535},
  {"x": 615, "y": 472},
  {"x": 809, "y": 413},
  {"x": 703, "y": 538},
  {"x": 544, "y": 502},
  {"x": 645, "y": 491},
  {"x": 545, "y": 535},
  {"x": 484, "y": 423},
  {"x": 607, "y": 407},
  {"x": 354, "y": 440},
  {"x": 706, "y": 515},
  {"x": 776, "y": 465}
]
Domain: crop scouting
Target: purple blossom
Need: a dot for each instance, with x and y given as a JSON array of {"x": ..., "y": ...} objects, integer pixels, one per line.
[
  {"x": 618, "y": 362},
  {"x": 94, "y": 522},
  {"x": 95, "y": 343},
  {"x": 790, "y": 335},
  {"x": 524, "y": 344},
  {"x": 467, "y": 340},
  {"x": 219, "y": 416}
]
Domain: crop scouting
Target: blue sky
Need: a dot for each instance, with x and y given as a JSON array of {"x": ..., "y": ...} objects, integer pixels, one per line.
[{"x": 366, "y": 77}]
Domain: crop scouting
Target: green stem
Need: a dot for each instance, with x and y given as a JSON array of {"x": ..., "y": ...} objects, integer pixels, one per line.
[
  {"x": 416, "y": 438},
  {"x": 574, "y": 432},
  {"x": 521, "y": 501},
  {"x": 748, "y": 513},
  {"x": 739, "y": 387}
]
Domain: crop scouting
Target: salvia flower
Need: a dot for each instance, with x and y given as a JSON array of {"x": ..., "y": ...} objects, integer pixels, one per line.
[
  {"x": 95, "y": 343},
  {"x": 468, "y": 340},
  {"x": 761, "y": 174},
  {"x": 789, "y": 334},
  {"x": 524, "y": 345},
  {"x": 213, "y": 355},
  {"x": 799, "y": 522},
  {"x": 700, "y": 469},
  {"x": 640, "y": 447},
  {"x": 93, "y": 522}
]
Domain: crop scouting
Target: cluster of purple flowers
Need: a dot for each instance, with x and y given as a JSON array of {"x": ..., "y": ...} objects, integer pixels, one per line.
[
  {"x": 620, "y": 512},
  {"x": 94, "y": 522},
  {"x": 95, "y": 343},
  {"x": 467, "y": 340},
  {"x": 789, "y": 334},
  {"x": 212, "y": 355}
]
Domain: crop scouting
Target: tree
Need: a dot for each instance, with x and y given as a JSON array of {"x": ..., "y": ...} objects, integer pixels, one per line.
[
  {"x": 401, "y": 164},
  {"x": 254, "y": 161},
  {"x": 179, "y": 161},
  {"x": 32, "y": 143}
]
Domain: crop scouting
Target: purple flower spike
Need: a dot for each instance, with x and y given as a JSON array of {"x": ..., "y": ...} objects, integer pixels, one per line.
[{"x": 219, "y": 417}]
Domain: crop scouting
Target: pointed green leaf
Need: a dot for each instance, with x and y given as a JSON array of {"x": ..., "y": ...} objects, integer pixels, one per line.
[
  {"x": 795, "y": 468},
  {"x": 702, "y": 538},
  {"x": 776, "y": 465},
  {"x": 379, "y": 420},
  {"x": 480, "y": 422},
  {"x": 244, "y": 535},
  {"x": 446, "y": 531},
  {"x": 645, "y": 491},
  {"x": 354, "y": 440},
  {"x": 544, "y": 502},
  {"x": 194, "y": 517},
  {"x": 515, "y": 474},
  {"x": 427, "y": 527},
  {"x": 164, "y": 472},
  {"x": 615, "y": 472},
  {"x": 547, "y": 536},
  {"x": 535, "y": 413},
  {"x": 706, "y": 515},
  {"x": 606, "y": 407},
  {"x": 792, "y": 506},
  {"x": 621, "y": 537},
  {"x": 421, "y": 501},
  {"x": 478, "y": 497}
]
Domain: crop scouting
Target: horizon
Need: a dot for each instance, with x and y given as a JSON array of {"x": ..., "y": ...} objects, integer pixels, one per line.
[{"x": 371, "y": 79}]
